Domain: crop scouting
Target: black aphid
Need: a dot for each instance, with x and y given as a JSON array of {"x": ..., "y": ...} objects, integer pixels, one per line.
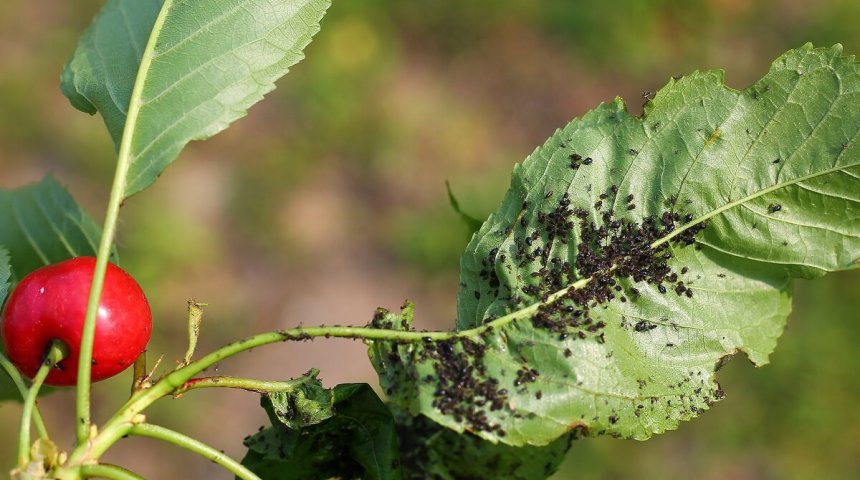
[{"x": 644, "y": 326}]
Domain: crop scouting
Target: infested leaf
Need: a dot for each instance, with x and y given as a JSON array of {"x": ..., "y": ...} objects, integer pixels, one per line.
[
  {"x": 308, "y": 404},
  {"x": 357, "y": 441},
  {"x": 432, "y": 451},
  {"x": 632, "y": 256}
]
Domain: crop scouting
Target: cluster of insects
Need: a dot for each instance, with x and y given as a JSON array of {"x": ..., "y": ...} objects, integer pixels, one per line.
[
  {"x": 463, "y": 387},
  {"x": 613, "y": 252}
]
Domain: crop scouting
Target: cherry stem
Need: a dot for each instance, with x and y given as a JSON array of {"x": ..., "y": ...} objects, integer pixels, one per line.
[
  {"x": 57, "y": 351},
  {"x": 193, "y": 445},
  {"x": 16, "y": 378},
  {"x": 250, "y": 384},
  {"x": 139, "y": 372}
]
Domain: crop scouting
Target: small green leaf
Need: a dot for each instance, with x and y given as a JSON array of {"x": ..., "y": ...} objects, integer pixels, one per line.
[
  {"x": 472, "y": 223},
  {"x": 632, "y": 256},
  {"x": 42, "y": 225},
  {"x": 308, "y": 404},
  {"x": 182, "y": 70},
  {"x": 359, "y": 441}
]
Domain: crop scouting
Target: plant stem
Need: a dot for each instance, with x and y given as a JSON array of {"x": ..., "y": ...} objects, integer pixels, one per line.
[
  {"x": 250, "y": 384},
  {"x": 117, "y": 195},
  {"x": 56, "y": 352},
  {"x": 196, "y": 446},
  {"x": 15, "y": 375},
  {"x": 106, "y": 470}
]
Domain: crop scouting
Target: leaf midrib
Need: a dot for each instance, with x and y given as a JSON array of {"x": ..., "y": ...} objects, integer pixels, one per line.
[
  {"x": 124, "y": 156},
  {"x": 753, "y": 196}
]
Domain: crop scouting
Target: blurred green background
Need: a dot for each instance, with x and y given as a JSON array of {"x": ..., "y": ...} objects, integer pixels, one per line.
[{"x": 329, "y": 200}]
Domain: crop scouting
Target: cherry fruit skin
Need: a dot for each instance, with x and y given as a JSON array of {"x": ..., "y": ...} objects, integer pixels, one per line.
[{"x": 51, "y": 302}]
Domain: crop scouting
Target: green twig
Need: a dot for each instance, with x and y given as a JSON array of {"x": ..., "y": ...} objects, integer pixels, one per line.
[
  {"x": 56, "y": 352},
  {"x": 193, "y": 445},
  {"x": 15, "y": 375},
  {"x": 117, "y": 195},
  {"x": 250, "y": 384},
  {"x": 106, "y": 470}
]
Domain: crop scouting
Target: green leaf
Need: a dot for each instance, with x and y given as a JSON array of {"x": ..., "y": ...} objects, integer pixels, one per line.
[
  {"x": 101, "y": 73},
  {"x": 307, "y": 405},
  {"x": 42, "y": 225},
  {"x": 432, "y": 451},
  {"x": 5, "y": 275},
  {"x": 165, "y": 73},
  {"x": 7, "y": 387},
  {"x": 359, "y": 441},
  {"x": 472, "y": 223},
  {"x": 632, "y": 256}
]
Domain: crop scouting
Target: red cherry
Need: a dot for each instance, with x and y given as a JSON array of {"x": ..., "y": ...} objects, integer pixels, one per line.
[{"x": 50, "y": 303}]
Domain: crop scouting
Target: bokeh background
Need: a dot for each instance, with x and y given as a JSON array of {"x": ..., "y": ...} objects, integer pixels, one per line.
[{"x": 328, "y": 200}]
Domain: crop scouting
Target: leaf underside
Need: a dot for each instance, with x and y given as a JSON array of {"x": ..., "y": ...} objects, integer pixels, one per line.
[
  {"x": 209, "y": 63},
  {"x": 632, "y": 256}
]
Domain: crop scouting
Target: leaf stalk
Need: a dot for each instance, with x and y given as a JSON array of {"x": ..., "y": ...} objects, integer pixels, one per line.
[{"x": 117, "y": 195}]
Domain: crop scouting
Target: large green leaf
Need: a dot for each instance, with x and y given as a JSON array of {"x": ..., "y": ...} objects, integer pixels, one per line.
[
  {"x": 42, "y": 225},
  {"x": 632, "y": 256},
  {"x": 357, "y": 440},
  {"x": 183, "y": 69}
]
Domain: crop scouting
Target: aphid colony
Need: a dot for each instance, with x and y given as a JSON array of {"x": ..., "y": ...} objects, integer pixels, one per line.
[{"x": 611, "y": 251}]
